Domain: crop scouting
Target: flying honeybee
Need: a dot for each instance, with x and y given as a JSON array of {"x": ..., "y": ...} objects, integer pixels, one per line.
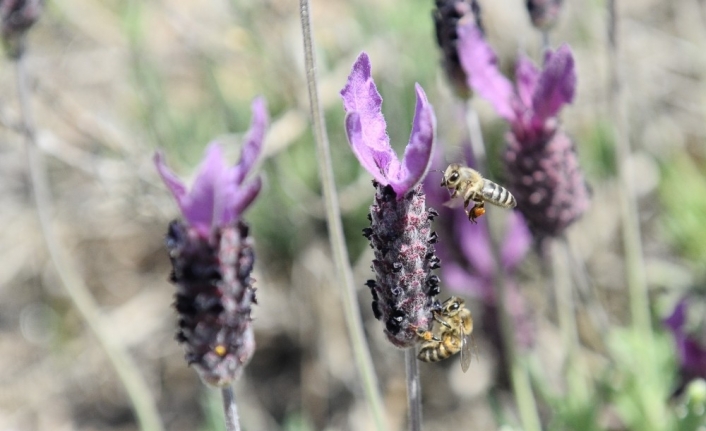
[
  {"x": 456, "y": 328},
  {"x": 471, "y": 186}
]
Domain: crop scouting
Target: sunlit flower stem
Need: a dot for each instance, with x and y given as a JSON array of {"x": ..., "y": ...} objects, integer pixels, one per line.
[
  {"x": 414, "y": 390},
  {"x": 333, "y": 216},
  {"x": 137, "y": 390},
  {"x": 230, "y": 408}
]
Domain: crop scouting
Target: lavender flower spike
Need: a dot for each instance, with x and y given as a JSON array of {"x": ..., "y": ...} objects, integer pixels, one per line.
[
  {"x": 212, "y": 258},
  {"x": 545, "y": 176},
  {"x": 400, "y": 230}
]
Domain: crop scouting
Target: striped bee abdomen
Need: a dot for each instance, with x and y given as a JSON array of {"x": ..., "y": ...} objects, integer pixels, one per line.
[{"x": 498, "y": 195}]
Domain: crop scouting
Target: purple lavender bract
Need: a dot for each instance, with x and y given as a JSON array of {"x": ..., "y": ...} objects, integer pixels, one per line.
[
  {"x": 212, "y": 258},
  {"x": 688, "y": 331},
  {"x": 400, "y": 229}
]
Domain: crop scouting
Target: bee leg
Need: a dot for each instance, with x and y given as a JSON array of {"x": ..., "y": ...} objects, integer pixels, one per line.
[
  {"x": 477, "y": 211},
  {"x": 426, "y": 335},
  {"x": 442, "y": 321}
]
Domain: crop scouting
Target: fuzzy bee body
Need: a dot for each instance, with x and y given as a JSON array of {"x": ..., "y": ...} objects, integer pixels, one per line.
[
  {"x": 470, "y": 185},
  {"x": 456, "y": 328}
]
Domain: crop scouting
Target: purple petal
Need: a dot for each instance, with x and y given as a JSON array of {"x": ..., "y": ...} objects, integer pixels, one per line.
[
  {"x": 417, "y": 155},
  {"x": 172, "y": 182},
  {"x": 360, "y": 96},
  {"x": 678, "y": 317},
  {"x": 252, "y": 144},
  {"x": 374, "y": 162},
  {"x": 475, "y": 244},
  {"x": 557, "y": 83},
  {"x": 517, "y": 241},
  {"x": 526, "y": 76},
  {"x": 207, "y": 198},
  {"x": 483, "y": 76},
  {"x": 244, "y": 195},
  {"x": 459, "y": 280},
  {"x": 693, "y": 356}
]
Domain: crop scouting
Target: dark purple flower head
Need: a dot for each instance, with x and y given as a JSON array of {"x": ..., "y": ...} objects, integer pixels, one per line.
[
  {"x": 689, "y": 331},
  {"x": 400, "y": 223},
  {"x": 367, "y": 132},
  {"x": 220, "y": 193},
  {"x": 544, "y": 13},
  {"x": 212, "y": 258},
  {"x": 17, "y": 16},
  {"x": 447, "y": 16}
]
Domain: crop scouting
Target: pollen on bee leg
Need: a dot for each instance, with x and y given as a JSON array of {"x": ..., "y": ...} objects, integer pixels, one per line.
[
  {"x": 220, "y": 350},
  {"x": 426, "y": 335}
]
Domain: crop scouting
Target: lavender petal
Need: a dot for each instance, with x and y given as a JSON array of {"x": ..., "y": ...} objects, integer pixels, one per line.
[
  {"x": 417, "y": 156},
  {"x": 557, "y": 83},
  {"x": 484, "y": 77}
]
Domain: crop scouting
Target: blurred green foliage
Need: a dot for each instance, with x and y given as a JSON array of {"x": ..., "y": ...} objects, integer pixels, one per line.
[{"x": 683, "y": 195}]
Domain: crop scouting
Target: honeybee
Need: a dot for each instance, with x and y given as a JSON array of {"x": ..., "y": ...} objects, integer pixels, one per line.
[
  {"x": 456, "y": 329},
  {"x": 470, "y": 184}
]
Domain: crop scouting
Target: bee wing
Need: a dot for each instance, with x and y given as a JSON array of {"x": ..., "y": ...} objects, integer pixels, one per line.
[
  {"x": 456, "y": 202},
  {"x": 466, "y": 351}
]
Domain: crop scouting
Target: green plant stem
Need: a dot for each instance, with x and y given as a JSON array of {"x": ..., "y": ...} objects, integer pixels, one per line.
[
  {"x": 519, "y": 374},
  {"x": 230, "y": 409},
  {"x": 414, "y": 390},
  {"x": 138, "y": 392},
  {"x": 563, "y": 291},
  {"x": 632, "y": 242},
  {"x": 333, "y": 216}
]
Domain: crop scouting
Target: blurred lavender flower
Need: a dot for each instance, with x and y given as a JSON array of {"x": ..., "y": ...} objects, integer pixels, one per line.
[
  {"x": 544, "y": 13},
  {"x": 212, "y": 258},
  {"x": 687, "y": 324},
  {"x": 447, "y": 16},
  {"x": 400, "y": 229},
  {"x": 541, "y": 158},
  {"x": 17, "y": 17}
]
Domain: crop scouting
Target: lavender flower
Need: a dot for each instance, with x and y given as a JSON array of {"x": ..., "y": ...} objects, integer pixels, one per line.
[
  {"x": 545, "y": 176},
  {"x": 544, "y": 13},
  {"x": 447, "y": 16},
  {"x": 687, "y": 328},
  {"x": 212, "y": 258},
  {"x": 17, "y": 17},
  {"x": 400, "y": 229}
]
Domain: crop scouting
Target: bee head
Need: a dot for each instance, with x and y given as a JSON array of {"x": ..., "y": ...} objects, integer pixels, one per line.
[
  {"x": 451, "y": 175},
  {"x": 452, "y": 305}
]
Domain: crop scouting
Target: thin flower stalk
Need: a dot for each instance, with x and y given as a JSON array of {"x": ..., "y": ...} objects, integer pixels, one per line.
[
  {"x": 17, "y": 18},
  {"x": 212, "y": 257},
  {"x": 630, "y": 221},
  {"x": 340, "y": 254},
  {"x": 404, "y": 288}
]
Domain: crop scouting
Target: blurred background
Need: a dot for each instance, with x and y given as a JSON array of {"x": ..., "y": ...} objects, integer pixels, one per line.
[{"x": 113, "y": 80}]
